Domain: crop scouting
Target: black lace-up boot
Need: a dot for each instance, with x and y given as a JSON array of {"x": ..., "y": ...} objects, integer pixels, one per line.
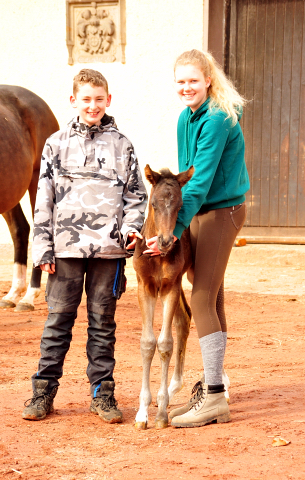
[
  {"x": 41, "y": 404},
  {"x": 104, "y": 404}
]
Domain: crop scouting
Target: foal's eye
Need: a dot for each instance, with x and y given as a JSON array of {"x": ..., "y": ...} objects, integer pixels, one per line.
[{"x": 153, "y": 205}]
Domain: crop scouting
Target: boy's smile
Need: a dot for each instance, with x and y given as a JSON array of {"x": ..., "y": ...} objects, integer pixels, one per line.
[
  {"x": 191, "y": 86},
  {"x": 91, "y": 103}
]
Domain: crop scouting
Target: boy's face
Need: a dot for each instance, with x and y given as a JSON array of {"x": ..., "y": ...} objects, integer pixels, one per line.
[{"x": 91, "y": 103}]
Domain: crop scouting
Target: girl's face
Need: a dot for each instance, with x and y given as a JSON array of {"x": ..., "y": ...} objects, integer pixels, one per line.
[{"x": 191, "y": 86}]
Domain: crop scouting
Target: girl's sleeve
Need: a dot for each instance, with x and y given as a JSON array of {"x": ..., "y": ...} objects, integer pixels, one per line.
[
  {"x": 43, "y": 244},
  {"x": 210, "y": 147}
]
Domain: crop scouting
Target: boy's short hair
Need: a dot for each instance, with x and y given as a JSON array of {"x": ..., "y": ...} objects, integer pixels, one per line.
[{"x": 87, "y": 75}]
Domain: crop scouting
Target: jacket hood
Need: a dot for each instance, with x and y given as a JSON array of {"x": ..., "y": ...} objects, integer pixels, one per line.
[
  {"x": 107, "y": 122},
  {"x": 204, "y": 107}
]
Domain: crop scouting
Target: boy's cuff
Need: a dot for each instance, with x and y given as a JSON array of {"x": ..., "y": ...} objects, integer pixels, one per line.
[
  {"x": 125, "y": 237},
  {"x": 179, "y": 229}
]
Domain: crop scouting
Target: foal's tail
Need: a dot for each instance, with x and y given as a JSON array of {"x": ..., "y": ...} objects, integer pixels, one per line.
[
  {"x": 185, "y": 304},
  {"x": 182, "y": 320}
]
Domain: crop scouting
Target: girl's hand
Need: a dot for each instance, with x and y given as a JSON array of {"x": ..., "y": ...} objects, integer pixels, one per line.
[
  {"x": 152, "y": 244},
  {"x": 132, "y": 237},
  {"x": 48, "y": 267}
]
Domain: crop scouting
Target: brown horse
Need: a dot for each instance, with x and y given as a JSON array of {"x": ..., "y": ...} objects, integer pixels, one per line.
[
  {"x": 162, "y": 275},
  {"x": 26, "y": 122}
]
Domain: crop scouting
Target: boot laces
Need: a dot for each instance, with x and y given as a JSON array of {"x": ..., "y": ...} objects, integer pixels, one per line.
[
  {"x": 38, "y": 400},
  {"x": 107, "y": 402},
  {"x": 201, "y": 397},
  {"x": 197, "y": 391},
  {"x": 41, "y": 399}
]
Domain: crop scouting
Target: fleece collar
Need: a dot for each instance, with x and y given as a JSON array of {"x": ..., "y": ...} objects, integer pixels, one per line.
[{"x": 82, "y": 129}]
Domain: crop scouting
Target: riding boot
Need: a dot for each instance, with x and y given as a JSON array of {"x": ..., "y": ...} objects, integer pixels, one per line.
[
  {"x": 41, "y": 404},
  {"x": 212, "y": 407}
]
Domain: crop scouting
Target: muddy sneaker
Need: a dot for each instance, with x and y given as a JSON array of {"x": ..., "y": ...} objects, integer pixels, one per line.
[
  {"x": 211, "y": 407},
  {"x": 104, "y": 404},
  {"x": 196, "y": 394},
  {"x": 41, "y": 404}
]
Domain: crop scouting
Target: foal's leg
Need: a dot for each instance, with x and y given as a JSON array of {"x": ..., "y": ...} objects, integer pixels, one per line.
[
  {"x": 165, "y": 349},
  {"x": 147, "y": 302},
  {"x": 182, "y": 320}
]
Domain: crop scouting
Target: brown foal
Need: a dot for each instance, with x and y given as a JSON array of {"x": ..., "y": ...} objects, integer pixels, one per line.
[{"x": 161, "y": 275}]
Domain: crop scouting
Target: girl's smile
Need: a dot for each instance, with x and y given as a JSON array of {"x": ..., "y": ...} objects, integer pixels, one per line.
[{"x": 191, "y": 86}]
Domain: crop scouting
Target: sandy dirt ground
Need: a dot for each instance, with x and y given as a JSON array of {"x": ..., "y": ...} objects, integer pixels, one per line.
[{"x": 264, "y": 360}]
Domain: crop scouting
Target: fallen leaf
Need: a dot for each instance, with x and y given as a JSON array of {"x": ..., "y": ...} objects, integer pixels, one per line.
[
  {"x": 279, "y": 442},
  {"x": 240, "y": 242}
]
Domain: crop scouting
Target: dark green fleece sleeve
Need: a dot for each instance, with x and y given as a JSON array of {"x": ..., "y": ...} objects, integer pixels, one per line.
[{"x": 210, "y": 147}]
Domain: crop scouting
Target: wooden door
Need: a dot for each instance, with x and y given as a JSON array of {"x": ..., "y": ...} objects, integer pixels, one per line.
[{"x": 265, "y": 57}]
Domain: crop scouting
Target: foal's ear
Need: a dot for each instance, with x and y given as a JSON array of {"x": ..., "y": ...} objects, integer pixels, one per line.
[
  {"x": 184, "y": 177},
  {"x": 152, "y": 177}
]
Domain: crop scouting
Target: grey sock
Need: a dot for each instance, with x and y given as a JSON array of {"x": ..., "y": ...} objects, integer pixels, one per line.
[
  {"x": 212, "y": 350},
  {"x": 225, "y": 338}
]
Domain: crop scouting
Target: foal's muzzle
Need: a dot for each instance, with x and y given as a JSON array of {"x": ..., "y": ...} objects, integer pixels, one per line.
[{"x": 165, "y": 244}]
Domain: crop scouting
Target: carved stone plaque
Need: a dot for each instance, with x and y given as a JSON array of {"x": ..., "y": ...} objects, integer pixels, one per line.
[{"x": 96, "y": 31}]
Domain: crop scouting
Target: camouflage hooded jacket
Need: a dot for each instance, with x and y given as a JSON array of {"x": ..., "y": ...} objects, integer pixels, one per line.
[{"x": 90, "y": 194}]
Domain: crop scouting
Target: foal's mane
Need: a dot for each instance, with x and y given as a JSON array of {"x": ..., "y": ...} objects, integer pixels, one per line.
[{"x": 167, "y": 175}]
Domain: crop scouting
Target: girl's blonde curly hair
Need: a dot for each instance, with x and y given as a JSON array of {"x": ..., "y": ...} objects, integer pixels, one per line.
[{"x": 222, "y": 92}]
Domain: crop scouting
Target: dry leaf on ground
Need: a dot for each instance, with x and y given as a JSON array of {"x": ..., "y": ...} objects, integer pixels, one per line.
[{"x": 279, "y": 442}]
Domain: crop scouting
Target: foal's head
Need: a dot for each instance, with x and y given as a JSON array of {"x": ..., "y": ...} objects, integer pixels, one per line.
[{"x": 165, "y": 203}]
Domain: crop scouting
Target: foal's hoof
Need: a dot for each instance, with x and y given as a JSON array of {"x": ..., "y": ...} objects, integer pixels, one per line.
[
  {"x": 161, "y": 424},
  {"x": 24, "y": 307},
  {"x": 141, "y": 425},
  {"x": 7, "y": 304}
]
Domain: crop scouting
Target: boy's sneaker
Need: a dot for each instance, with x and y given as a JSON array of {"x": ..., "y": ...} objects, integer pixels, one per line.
[
  {"x": 105, "y": 405},
  {"x": 41, "y": 404}
]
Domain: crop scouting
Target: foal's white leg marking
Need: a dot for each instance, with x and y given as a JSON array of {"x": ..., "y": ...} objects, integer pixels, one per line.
[
  {"x": 18, "y": 284},
  {"x": 148, "y": 347},
  {"x": 226, "y": 382},
  {"x": 31, "y": 294}
]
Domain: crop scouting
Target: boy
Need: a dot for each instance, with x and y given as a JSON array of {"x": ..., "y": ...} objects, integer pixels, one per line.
[{"x": 89, "y": 209}]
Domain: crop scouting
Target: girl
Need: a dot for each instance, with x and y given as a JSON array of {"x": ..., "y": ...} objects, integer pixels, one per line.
[{"x": 209, "y": 138}]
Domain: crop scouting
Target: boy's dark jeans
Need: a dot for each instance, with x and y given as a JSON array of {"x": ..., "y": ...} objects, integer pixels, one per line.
[{"x": 104, "y": 282}]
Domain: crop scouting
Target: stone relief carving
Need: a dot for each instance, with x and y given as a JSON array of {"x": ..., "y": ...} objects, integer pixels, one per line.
[{"x": 95, "y": 31}]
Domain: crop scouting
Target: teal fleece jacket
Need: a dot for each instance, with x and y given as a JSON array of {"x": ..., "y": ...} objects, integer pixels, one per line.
[{"x": 208, "y": 141}]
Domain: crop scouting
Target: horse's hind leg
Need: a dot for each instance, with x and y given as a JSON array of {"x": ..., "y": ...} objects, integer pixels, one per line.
[
  {"x": 182, "y": 320},
  {"x": 147, "y": 303},
  {"x": 19, "y": 229},
  {"x": 27, "y": 302}
]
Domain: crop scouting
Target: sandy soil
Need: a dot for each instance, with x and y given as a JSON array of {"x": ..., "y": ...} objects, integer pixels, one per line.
[{"x": 264, "y": 360}]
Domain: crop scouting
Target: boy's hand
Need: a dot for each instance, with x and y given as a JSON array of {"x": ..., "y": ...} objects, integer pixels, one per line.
[
  {"x": 132, "y": 238},
  {"x": 48, "y": 267}
]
